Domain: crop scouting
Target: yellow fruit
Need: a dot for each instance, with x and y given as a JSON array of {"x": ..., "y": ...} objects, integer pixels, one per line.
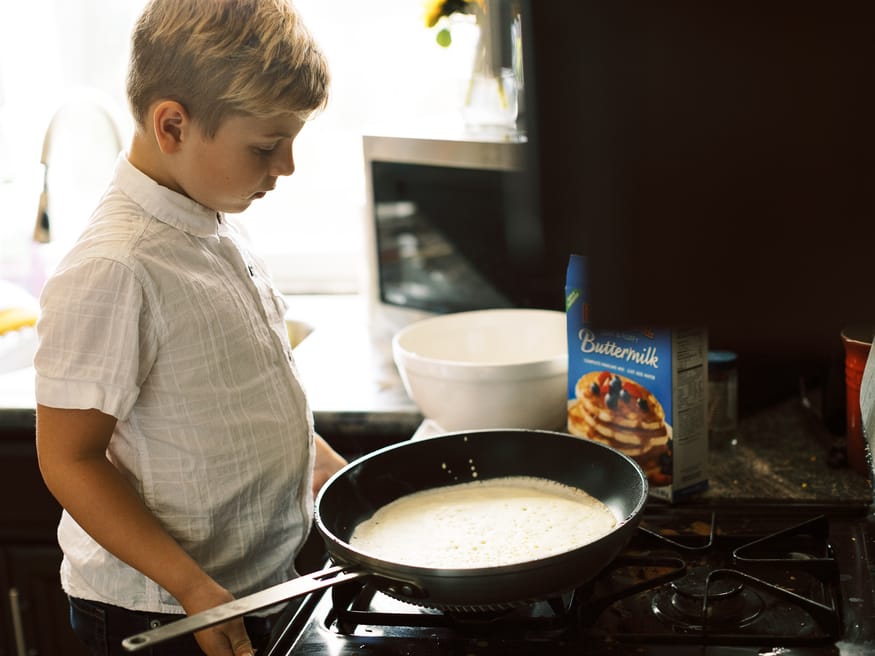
[{"x": 15, "y": 319}]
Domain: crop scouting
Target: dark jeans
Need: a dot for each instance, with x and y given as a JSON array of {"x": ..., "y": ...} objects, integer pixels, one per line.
[{"x": 102, "y": 627}]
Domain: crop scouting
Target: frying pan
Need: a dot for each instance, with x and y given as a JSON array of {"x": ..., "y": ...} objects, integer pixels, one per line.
[{"x": 354, "y": 493}]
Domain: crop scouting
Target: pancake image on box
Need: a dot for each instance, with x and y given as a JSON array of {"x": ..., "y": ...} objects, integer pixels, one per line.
[{"x": 617, "y": 411}]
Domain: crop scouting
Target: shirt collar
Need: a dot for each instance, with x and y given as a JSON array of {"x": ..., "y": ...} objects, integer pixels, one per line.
[{"x": 165, "y": 204}]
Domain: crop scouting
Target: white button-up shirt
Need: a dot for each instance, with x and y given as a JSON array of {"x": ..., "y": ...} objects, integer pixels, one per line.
[{"x": 161, "y": 317}]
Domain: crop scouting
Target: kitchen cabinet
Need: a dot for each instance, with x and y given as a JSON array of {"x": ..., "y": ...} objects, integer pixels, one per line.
[
  {"x": 33, "y": 607},
  {"x": 38, "y": 607}
]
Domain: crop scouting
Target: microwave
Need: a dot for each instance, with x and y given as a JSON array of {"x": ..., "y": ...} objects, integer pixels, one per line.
[{"x": 450, "y": 227}]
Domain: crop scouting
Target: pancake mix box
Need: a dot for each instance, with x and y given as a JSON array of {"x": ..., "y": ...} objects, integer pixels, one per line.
[{"x": 641, "y": 391}]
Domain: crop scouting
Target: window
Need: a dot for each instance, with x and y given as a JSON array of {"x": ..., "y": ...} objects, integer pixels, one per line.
[{"x": 387, "y": 71}]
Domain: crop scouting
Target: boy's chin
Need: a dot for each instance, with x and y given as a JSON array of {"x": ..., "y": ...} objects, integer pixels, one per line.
[{"x": 235, "y": 206}]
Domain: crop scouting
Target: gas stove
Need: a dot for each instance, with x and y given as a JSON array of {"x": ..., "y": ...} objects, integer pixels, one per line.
[{"x": 783, "y": 579}]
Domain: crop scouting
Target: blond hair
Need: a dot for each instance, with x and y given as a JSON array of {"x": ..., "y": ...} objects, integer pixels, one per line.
[{"x": 220, "y": 58}]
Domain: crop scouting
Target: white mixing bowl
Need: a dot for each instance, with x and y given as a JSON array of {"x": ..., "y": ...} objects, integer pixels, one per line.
[{"x": 487, "y": 368}]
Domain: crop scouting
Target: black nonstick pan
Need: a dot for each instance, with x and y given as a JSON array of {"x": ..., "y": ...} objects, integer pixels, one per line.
[{"x": 357, "y": 491}]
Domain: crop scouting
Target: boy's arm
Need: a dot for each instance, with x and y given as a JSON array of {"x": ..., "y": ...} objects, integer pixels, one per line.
[
  {"x": 71, "y": 446},
  {"x": 328, "y": 461}
]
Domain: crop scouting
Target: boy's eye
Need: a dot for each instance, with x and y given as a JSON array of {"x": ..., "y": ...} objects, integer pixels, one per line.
[{"x": 265, "y": 150}]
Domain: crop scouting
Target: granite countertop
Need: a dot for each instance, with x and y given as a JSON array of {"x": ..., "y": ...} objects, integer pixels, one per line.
[
  {"x": 348, "y": 372},
  {"x": 783, "y": 453}
]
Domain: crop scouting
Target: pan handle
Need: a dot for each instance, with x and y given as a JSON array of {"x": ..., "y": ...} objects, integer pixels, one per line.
[{"x": 258, "y": 600}]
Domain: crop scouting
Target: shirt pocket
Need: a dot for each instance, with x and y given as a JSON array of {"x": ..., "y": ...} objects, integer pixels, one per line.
[{"x": 272, "y": 302}]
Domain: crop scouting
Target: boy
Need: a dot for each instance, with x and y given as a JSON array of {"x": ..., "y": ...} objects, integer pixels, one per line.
[{"x": 171, "y": 424}]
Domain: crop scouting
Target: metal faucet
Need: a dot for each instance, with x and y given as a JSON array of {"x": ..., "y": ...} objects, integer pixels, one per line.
[{"x": 93, "y": 102}]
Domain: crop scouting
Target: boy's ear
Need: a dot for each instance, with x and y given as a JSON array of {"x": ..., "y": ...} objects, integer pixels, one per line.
[{"x": 171, "y": 125}]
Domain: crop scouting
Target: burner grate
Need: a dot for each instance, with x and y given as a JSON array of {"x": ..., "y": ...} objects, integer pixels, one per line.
[
  {"x": 680, "y": 583},
  {"x": 737, "y": 589}
]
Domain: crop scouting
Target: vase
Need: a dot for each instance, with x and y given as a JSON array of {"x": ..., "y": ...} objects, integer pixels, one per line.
[{"x": 494, "y": 91}]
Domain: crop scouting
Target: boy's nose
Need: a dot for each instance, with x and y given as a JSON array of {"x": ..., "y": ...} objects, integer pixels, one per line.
[{"x": 283, "y": 162}]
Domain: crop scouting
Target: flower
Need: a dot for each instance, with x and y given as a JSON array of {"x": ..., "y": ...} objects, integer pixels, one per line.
[{"x": 435, "y": 10}]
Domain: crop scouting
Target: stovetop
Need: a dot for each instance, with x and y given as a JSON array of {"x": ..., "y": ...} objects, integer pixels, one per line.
[{"x": 787, "y": 580}]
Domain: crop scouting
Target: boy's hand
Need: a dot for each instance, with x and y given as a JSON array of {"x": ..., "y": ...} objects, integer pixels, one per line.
[{"x": 227, "y": 639}]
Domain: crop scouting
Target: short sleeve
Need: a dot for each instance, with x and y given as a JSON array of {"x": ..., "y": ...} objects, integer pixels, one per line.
[{"x": 95, "y": 345}]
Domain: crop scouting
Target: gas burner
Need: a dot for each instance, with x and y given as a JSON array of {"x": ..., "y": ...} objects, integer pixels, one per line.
[
  {"x": 359, "y": 607},
  {"x": 533, "y": 613},
  {"x": 725, "y": 603}
]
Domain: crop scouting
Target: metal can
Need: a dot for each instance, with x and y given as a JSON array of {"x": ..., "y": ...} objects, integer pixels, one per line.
[{"x": 722, "y": 394}]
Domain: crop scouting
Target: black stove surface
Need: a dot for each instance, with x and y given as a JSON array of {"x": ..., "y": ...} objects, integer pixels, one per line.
[{"x": 788, "y": 580}]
